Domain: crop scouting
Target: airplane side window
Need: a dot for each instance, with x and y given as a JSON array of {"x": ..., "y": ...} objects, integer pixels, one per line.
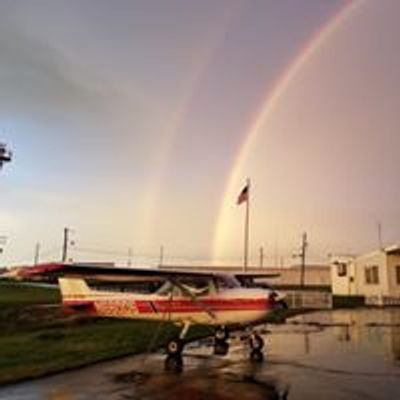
[
  {"x": 165, "y": 289},
  {"x": 226, "y": 282},
  {"x": 176, "y": 292},
  {"x": 196, "y": 290}
]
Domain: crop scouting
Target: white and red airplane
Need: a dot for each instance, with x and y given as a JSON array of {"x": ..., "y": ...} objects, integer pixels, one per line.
[{"x": 185, "y": 298}]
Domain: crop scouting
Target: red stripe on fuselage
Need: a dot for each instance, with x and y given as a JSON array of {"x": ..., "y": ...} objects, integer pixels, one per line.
[
  {"x": 189, "y": 306},
  {"x": 144, "y": 306},
  {"x": 170, "y": 306}
]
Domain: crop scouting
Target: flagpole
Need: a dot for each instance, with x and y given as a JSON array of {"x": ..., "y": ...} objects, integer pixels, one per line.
[{"x": 246, "y": 228}]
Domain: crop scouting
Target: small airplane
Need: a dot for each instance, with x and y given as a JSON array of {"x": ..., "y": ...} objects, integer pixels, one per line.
[
  {"x": 5, "y": 155},
  {"x": 185, "y": 298}
]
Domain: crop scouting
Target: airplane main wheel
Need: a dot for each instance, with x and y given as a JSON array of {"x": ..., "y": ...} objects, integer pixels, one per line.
[
  {"x": 174, "y": 363},
  {"x": 256, "y": 342},
  {"x": 175, "y": 347},
  {"x": 221, "y": 334},
  {"x": 256, "y": 356}
]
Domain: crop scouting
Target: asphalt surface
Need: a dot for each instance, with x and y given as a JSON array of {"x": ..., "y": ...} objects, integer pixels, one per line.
[{"x": 325, "y": 355}]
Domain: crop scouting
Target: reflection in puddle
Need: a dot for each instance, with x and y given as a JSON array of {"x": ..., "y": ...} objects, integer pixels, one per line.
[
  {"x": 375, "y": 331},
  {"x": 203, "y": 384}
]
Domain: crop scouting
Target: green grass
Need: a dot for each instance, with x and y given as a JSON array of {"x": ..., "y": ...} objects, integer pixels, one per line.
[
  {"x": 37, "y": 353},
  {"x": 19, "y": 294},
  {"x": 37, "y": 338}
]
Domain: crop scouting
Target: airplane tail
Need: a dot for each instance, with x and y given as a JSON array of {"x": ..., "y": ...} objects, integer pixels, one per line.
[{"x": 73, "y": 288}]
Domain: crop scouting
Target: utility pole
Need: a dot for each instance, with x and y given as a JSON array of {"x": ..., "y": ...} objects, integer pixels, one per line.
[
  {"x": 129, "y": 263},
  {"x": 161, "y": 256},
  {"x": 65, "y": 245},
  {"x": 37, "y": 254},
  {"x": 261, "y": 256},
  {"x": 304, "y": 245},
  {"x": 380, "y": 235}
]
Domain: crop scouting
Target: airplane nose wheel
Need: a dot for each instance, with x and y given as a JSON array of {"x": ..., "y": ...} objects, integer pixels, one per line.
[{"x": 256, "y": 343}]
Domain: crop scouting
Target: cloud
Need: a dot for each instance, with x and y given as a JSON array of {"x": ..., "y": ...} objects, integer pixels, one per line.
[{"x": 36, "y": 79}]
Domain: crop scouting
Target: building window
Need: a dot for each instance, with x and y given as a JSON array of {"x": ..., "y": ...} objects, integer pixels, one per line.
[
  {"x": 341, "y": 269},
  {"x": 398, "y": 274},
  {"x": 372, "y": 275}
]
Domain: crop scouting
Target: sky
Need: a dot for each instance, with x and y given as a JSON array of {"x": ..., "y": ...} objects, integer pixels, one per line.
[{"x": 136, "y": 124}]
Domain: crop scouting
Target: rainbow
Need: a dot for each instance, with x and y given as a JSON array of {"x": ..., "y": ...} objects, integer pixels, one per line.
[
  {"x": 266, "y": 109},
  {"x": 200, "y": 66}
]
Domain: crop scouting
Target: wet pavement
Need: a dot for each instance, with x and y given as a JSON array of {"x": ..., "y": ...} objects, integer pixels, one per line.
[{"x": 325, "y": 355}]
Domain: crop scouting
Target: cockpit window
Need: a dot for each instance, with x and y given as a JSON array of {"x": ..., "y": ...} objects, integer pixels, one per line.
[
  {"x": 167, "y": 289},
  {"x": 226, "y": 282},
  {"x": 194, "y": 286},
  {"x": 185, "y": 287}
]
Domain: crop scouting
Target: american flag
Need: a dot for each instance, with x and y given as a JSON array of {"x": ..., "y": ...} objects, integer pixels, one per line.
[{"x": 244, "y": 195}]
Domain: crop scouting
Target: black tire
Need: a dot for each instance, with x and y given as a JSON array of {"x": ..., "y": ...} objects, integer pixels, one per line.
[
  {"x": 221, "y": 334},
  {"x": 256, "y": 342},
  {"x": 174, "y": 347},
  {"x": 221, "y": 348},
  {"x": 174, "y": 363},
  {"x": 256, "y": 356}
]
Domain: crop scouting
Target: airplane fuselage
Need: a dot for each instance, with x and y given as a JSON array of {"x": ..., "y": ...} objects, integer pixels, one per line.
[{"x": 230, "y": 306}]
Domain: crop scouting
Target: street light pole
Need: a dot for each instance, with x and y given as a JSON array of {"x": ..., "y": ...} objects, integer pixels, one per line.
[
  {"x": 304, "y": 245},
  {"x": 65, "y": 245}
]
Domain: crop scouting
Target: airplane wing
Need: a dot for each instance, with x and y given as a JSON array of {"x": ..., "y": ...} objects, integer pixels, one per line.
[
  {"x": 108, "y": 272},
  {"x": 111, "y": 273},
  {"x": 260, "y": 275}
]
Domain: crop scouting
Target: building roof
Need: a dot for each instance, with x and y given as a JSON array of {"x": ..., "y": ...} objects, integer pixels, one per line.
[{"x": 393, "y": 249}]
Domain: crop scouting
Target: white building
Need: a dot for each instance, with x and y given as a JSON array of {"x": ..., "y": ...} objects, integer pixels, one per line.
[{"x": 375, "y": 275}]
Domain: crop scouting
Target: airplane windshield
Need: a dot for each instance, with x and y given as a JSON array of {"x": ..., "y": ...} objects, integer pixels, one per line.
[{"x": 226, "y": 282}]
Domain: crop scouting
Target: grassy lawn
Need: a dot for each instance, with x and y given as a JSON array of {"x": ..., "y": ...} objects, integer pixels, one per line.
[
  {"x": 19, "y": 294},
  {"x": 39, "y": 352}
]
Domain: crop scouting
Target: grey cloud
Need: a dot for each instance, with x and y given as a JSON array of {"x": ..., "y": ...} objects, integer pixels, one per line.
[{"x": 35, "y": 78}]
